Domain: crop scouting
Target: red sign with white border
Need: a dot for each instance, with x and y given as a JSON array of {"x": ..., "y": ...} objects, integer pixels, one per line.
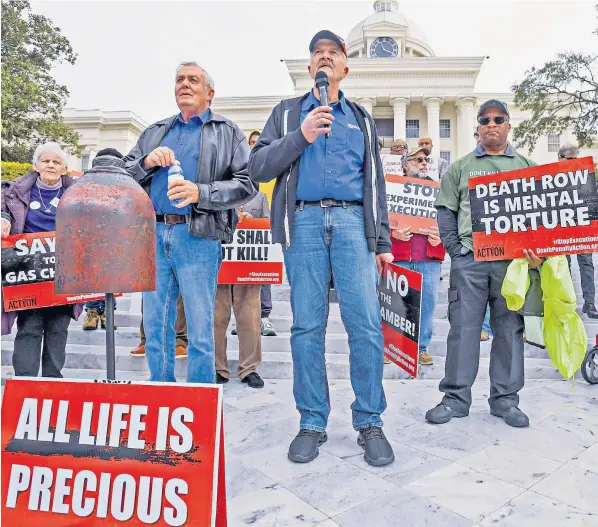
[
  {"x": 28, "y": 274},
  {"x": 80, "y": 453},
  {"x": 399, "y": 294},
  {"x": 252, "y": 257}
]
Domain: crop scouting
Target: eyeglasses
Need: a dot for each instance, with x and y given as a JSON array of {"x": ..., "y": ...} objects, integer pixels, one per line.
[
  {"x": 420, "y": 159},
  {"x": 567, "y": 158},
  {"x": 485, "y": 121}
]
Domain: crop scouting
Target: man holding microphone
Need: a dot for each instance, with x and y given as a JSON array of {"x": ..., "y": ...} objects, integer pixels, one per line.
[{"x": 329, "y": 212}]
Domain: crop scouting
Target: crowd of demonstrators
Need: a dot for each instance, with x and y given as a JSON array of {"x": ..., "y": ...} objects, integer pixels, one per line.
[
  {"x": 586, "y": 266},
  {"x": 474, "y": 284},
  {"x": 194, "y": 216},
  {"x": 95, "y": 310},
  {"x": 439, "y": 162},
  {"x": 28, "y": 206},
  {"x": 329, "y": 213},
  {"x": 420, "y": 253}
]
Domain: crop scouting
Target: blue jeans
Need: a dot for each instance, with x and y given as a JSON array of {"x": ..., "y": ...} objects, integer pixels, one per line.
[
  {"x": 192, "y": 263},
  {"x": 330, "y": 242},
  {"x": 486, "y": 325},
  {"x": 430, "y": 281},
  {"x": 100, "y": 305}
]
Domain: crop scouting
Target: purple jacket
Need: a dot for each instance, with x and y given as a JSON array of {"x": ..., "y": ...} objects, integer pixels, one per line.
[{"x": 15, "y": 204}]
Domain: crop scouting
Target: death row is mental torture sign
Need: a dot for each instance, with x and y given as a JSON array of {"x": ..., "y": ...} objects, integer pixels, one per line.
[
  {"x": 400, "y": 297},
  {"x": 551, "y": 209},
  {"x": 107, "y": 454},
  {"x": 252, "y": 257},
  {"x": 410, "y": 202},
  {"x": 28, "y": 273}
]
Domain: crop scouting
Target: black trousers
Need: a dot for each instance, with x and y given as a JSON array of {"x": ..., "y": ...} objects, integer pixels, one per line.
[
  {"x": 266, "y": 300},
  {"x": 48, "y": 325},
  {"x": 472, "y": 286}
]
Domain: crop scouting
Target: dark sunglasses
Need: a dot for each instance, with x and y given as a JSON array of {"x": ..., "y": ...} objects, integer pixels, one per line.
[
  {"x": 568, "y": 158},
  {"x": 485, "y": 121},
  {"x": 420, "y": 159}
]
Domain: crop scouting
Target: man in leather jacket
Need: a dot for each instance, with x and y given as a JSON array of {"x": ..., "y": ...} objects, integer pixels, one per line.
[{"x": 212, "y": 152}]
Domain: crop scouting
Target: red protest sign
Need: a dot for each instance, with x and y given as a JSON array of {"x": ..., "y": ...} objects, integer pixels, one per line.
[
  {"x": 551, "y": 209},
  {"x": 410, "y": 202},
  {"x": 399, "y": 294},
  {"x": 252, "y": 257},
  {"x": 28, "y": 273},
  {"x": 99, "y": 453}
]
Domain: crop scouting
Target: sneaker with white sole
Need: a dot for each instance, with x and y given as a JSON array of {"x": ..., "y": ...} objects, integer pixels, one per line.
[{"x": 267, "y": 328}]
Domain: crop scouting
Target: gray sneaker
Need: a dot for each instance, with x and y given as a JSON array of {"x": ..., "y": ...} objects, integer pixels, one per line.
[
  {"x": 267, "y": 328},
  {"x": 443, "y": 414},
  {"x": 304, "y": 447},
  {"x": 377, "y": 449}
]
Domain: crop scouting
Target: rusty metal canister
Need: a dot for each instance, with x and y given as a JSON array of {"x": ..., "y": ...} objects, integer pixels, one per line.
[{"x": 105, "y": 233}]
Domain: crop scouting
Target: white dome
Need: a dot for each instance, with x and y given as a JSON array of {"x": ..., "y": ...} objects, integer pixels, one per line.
[{"x": 386, "y": 11}]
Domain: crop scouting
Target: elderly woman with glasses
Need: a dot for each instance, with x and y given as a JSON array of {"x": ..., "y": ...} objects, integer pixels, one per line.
[{"x": 29, "y": 206}]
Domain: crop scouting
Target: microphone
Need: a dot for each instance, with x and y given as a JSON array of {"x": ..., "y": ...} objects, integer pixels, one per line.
[{"x": 322, "y": 86}]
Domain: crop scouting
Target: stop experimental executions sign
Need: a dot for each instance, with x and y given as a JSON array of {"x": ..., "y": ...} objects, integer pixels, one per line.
[{"x": 98, "y": 454}]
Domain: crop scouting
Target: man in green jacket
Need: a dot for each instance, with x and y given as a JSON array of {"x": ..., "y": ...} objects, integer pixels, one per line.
[{"x": 473, "y": 284}]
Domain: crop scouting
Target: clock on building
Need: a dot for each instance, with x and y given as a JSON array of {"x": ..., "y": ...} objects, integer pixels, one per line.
[{"x": 384, "y": 48}]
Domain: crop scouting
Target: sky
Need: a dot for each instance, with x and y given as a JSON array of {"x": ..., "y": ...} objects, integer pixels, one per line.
[{"x": 128, "y": 51}]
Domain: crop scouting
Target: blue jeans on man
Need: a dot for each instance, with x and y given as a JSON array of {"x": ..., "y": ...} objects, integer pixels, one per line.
[
  {"x": 330, "y": 242},
  {"x": 430, "y": 282},
  {"x": 188, "y": 264}
]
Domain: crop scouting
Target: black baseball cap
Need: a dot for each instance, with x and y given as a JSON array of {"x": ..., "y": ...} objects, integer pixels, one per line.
[
  {"x": 494, "y": 103},
  {"x": 109, "y": 152},
  {"x": 325, "y": 34}
]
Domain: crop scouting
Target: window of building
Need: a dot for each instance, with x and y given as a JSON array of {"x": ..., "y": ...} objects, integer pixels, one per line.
[
  {"x": 445, "y": 128},
  {"x": 554, "y": 142},
  {"x": 446, "y": 155},
  {"x": 385, "y": 127},
  {"x": 412, "y": 128},
  {"x": 84, "y": 161},
  {"x": 383, "y": 6}
]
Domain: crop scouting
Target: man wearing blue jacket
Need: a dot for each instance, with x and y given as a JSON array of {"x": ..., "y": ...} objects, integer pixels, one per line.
[{"x": 329, "y": 212}]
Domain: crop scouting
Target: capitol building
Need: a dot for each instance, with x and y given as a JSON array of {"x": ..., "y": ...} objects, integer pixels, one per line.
[{"x": 394, "y": 74}]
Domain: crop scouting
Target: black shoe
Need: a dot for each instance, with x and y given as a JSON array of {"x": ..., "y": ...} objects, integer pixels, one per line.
[
  {"x": 220, "y": 379},
  {"x": 590, "y": 310},
  {"x": 513, "y": 416},
  {"x": 378, "y": 451},
  {"x": 304, "y": 447},
  {"x": 443, "y": 414},
  {"x": 253, "y": 380}
]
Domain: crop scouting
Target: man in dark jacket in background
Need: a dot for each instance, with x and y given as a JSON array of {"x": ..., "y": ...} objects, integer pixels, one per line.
[
  {"x": 329, "y": 212},
  {"x": 212, "y": 152}
]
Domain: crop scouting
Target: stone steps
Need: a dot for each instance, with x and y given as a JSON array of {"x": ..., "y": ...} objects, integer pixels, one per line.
[
  {"x": 86, "y": 349},
  {"x": 280, "y": 366}
]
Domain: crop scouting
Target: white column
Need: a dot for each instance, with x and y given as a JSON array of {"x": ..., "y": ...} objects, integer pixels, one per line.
[
  {"x": 399, "y": 107},
  {"x": 367, "y": 103},
  {"x": 466, "y": 125},
  {"x": 433, "y": 104}
]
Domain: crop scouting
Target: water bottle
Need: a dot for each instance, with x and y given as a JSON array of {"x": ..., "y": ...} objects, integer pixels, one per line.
[{"x": 175, "y": 173}]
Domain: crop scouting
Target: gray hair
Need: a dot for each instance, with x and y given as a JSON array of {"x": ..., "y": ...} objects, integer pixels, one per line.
[
  {"x": 49, "y": 148},
  {"x": 208, "y": 81},
  {"x": 568, "y": 149}
]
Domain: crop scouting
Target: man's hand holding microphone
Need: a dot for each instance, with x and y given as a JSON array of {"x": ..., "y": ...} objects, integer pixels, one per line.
[{"x": 317, "y": 123}]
